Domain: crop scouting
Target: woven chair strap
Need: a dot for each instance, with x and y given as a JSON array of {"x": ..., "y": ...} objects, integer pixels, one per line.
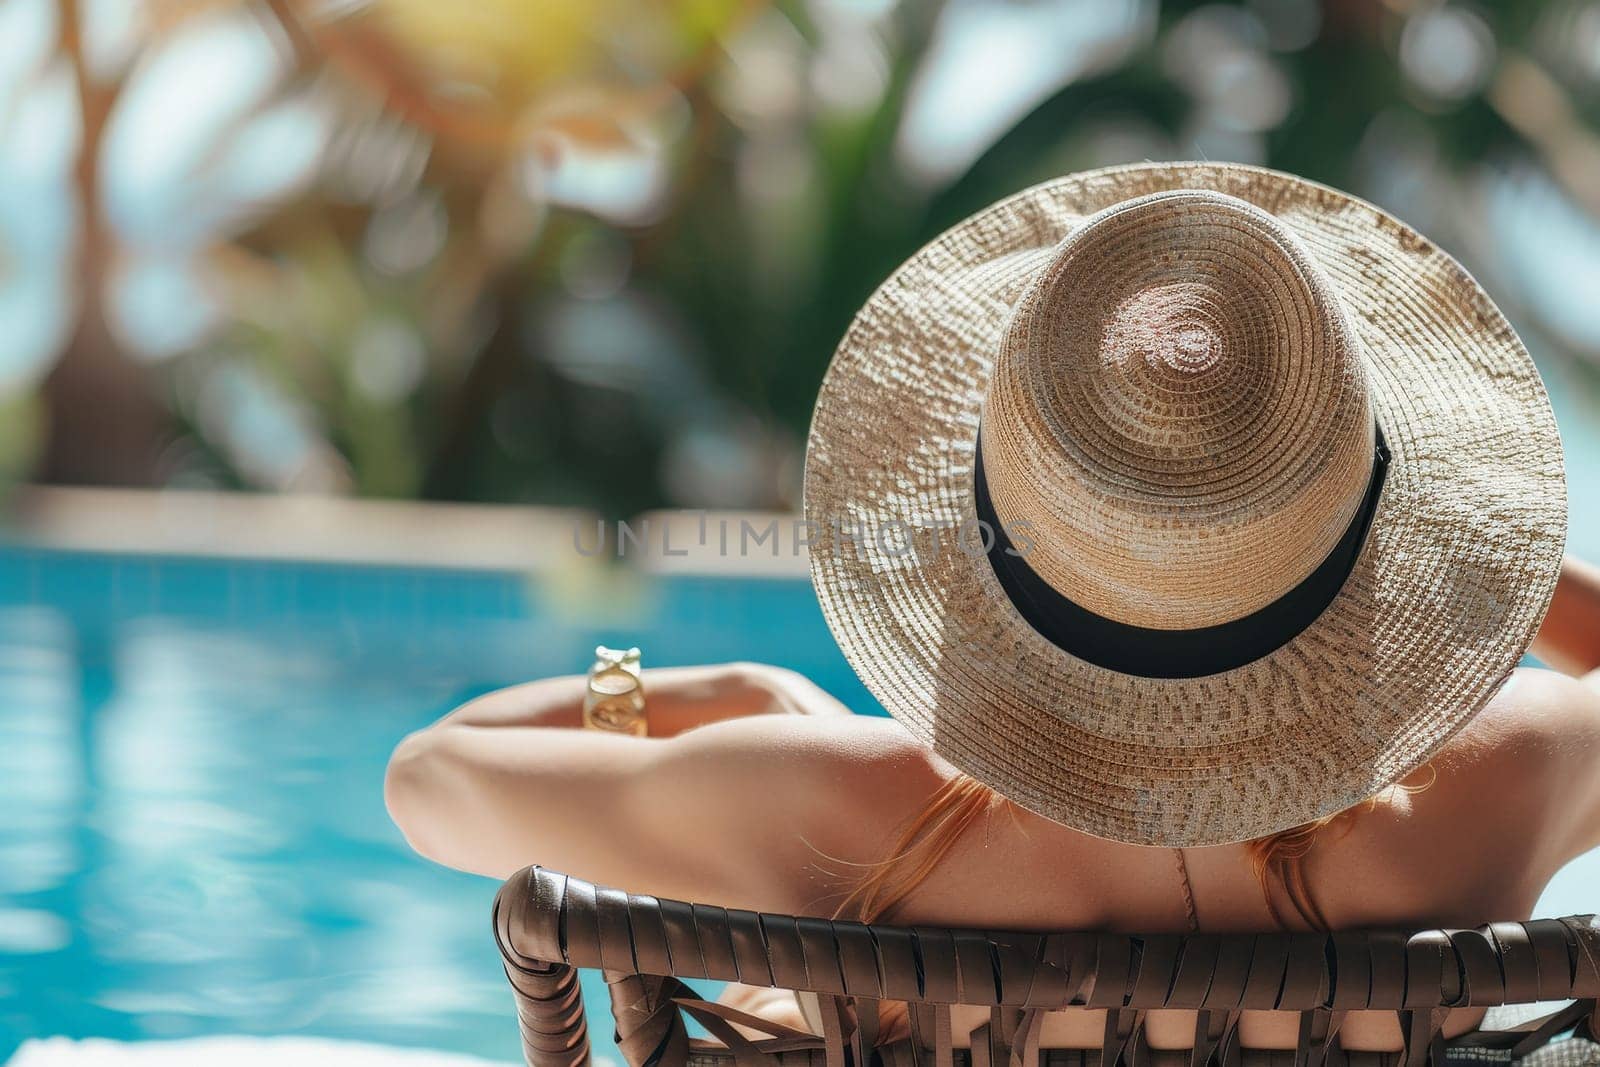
[{"x": 547, "y": 924}]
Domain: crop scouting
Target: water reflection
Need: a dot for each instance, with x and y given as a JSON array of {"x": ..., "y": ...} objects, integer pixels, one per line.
[
  {"x": 191, "y": 755},
  {"x": 191, "y": 758},
  {"x": 41, "y": 782}
]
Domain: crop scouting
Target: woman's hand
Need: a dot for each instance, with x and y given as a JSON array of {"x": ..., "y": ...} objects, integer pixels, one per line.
[
  {"x": 792, "y": 693},
  {"x": 676, "y": 699}
]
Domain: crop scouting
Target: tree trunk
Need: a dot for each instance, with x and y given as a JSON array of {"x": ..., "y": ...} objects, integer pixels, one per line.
[{"x": 105, "y": 425}]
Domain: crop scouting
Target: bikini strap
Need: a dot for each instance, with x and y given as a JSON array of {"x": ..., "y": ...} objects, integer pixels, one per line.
[{"x": 1188, "y": 892}]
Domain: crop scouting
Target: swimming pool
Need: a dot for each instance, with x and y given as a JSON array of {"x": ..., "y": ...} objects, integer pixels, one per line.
[
  {"x": 193, "y": 840},
  {"x": 191, "y": 762}
]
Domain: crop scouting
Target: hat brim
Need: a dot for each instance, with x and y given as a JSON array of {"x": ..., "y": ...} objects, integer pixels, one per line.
[{"x": 1450, "y": 587}]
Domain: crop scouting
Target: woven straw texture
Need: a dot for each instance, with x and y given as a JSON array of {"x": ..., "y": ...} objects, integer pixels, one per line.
[{"x": 1180, "y": 401}]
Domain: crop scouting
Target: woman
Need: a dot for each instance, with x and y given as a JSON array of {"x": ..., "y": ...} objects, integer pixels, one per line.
[{"x": 1191, "y": 521}]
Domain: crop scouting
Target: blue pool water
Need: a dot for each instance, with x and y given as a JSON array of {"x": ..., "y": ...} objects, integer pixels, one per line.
[{"x": 192, "y": 832}]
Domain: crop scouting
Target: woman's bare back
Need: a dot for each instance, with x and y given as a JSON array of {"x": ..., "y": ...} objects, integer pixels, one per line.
[
  {"x": 758, "y": 790},
  {"x": 1465, "y": 842}
]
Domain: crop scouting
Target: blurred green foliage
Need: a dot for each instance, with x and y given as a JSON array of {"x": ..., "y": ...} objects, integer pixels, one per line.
[{"x": 602, "y": 257}]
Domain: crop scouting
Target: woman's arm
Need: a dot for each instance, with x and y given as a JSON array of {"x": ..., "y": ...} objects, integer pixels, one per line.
[
  {"x": 511, "y": 778},
  {"x": 1569, "y": 640},
  {"x": 1552, "y": 723}
]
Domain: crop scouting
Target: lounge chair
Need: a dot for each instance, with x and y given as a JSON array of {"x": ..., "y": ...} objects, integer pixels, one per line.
[{"x": 548, "y": 925}]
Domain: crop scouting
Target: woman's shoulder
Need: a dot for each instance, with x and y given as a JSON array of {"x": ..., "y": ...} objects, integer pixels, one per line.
[
  {"x": 786, "y": 799},
  {"x": 818, "y": 761},
  {"x": 1535, "y": 701},
  {"x": 1509, "y": 800},
  {"x": 1539, "y": 721}
]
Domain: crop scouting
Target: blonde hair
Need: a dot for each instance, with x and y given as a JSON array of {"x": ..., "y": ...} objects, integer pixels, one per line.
[
  {"x": 921, "y": 845},
  {"x": 1277, "y": 858},
  {"x": 961, "y": 801},
  {"x": 1281, "y": 856}
]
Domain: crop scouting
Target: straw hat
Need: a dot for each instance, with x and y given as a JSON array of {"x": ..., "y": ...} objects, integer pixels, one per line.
[{"x": 1183, "y": 503}]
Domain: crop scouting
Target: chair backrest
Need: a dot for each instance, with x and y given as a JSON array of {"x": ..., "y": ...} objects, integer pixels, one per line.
[{"x": 548, "y": 924}]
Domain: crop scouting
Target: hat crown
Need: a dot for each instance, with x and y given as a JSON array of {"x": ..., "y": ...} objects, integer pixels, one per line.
[{"x": 1178, "y": 414}]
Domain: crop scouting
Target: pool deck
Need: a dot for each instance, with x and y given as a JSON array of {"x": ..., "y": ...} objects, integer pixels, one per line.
[
  {"x": 477, "y": 537},
  {"x": 233, "y": 1051}
]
